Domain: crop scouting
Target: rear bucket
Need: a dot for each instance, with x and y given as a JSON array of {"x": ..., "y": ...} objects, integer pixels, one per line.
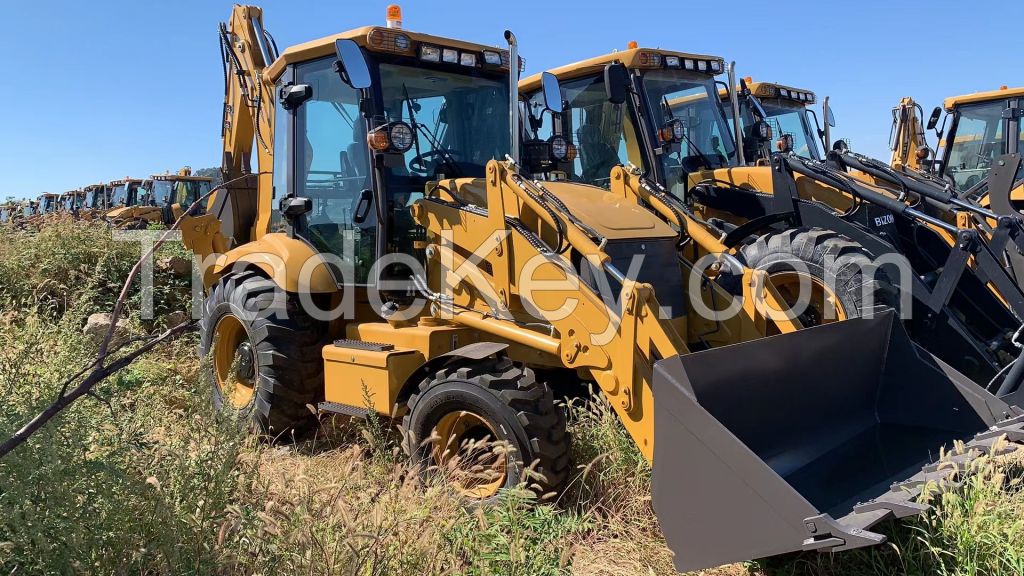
[{"x": 803, "y": 441}]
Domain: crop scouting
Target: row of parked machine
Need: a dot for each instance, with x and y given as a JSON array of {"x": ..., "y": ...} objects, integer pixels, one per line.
[{"x": 125, "y": 203}]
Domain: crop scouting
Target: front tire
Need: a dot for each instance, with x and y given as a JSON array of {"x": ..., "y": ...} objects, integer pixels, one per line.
[
  {"x": 264, "y": 354},
  {"x": 457, "y": 408},
  {"x": 839, "y": 269}
]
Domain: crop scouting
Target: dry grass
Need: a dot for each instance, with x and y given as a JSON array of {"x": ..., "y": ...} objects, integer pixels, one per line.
[{"x": 157, "y": 483}]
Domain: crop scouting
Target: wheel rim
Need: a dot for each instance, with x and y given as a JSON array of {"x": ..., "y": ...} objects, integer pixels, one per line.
[
  {"x": 824, "y": 306},
  {"x": 234, "y": 362},
  {"x": 468, "y": 440}
]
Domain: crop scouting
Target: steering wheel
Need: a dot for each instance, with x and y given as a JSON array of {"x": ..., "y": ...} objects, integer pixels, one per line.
[{"x": 419, "y": 162}]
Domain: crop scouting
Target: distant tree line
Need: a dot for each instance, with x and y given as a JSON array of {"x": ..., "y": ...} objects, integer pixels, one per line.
[{"x": 214, "y": 173}]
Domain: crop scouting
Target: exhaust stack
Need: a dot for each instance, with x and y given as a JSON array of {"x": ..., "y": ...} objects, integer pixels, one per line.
[
  {"x": 734, "y": 102},
  {"x": 513, "y": 85}
]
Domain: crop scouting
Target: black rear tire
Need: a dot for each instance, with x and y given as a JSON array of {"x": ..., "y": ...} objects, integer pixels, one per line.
[
  {"x": 286, "y": 346},
  {"x": 520, "y": 411},
  {"x": 822, "y": 253}
]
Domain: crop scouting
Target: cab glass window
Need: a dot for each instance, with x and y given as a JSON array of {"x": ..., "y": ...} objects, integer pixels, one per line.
[
  {"x": 603, "y": 133},
  {"x": 333, "y": 167},
  {"x": 692, "y": 99},
  {"x": 977, "y": 142}
]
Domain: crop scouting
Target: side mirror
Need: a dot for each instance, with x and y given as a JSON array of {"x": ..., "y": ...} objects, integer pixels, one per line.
[
  {"x": 933, "y": 120},
  {"x": 293, "y": 207},
  {"x": 830, "y": 118},
  {"x": 295, "y": 95},
  {"x": 616, "y": 78},
  {"x": 552, "y": 92},
  {"x": 351, "y": 64},
  {"x": 363, "y": 207}
]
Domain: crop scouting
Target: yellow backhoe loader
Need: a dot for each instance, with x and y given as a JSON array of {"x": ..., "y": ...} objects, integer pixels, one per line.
[
  {"x": 9, "y": 212},
  {"x": 658, "y": 112},
  {"x": 48, "y": 203},
  {"x": 128, "y": 204},
  {"x": 167, "y": 195},
  {"x": 950, "y": 218},
  {"x": 96, "y": 202},
  {"x": 72, "y": 202},
  {"x": 420, "y": 274}
]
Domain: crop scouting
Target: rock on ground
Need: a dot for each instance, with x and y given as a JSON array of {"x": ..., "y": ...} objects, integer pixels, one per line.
[
  {"x": 98, "y": 324},
  {"x": 180, "y": 267}
]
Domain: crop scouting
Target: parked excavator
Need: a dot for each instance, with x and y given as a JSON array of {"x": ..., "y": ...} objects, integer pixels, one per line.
[
  {"x": 685, "y": 146},
  {"x": 380, "y": 142}
]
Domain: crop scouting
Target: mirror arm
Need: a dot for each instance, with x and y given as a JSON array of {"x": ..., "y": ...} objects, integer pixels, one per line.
[
  {"x": 827, "y": 132},
  {"x": 734, "y": 103}
]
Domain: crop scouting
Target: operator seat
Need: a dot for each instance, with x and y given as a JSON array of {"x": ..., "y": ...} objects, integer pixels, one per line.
[{"x": 597, "y": 156}]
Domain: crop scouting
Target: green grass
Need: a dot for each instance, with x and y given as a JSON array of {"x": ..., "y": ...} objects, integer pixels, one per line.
[{"x": 152, "y": 481}]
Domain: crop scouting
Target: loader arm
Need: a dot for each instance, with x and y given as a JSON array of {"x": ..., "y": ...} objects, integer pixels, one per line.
[
  {"x": 762, "y": 303},
  {"x": 616, "y": 345}
]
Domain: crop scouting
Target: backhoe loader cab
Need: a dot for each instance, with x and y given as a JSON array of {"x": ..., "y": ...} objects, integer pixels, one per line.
[
  {"x": 72, "y": 202},
  {"x": 981, "y": 128},
  {"x": 977, "y": 129},
  {"x": 125, "y": 193},
  {"x": 793, "y": 125},
  {"x": 48, "y": 203},
  {"x": 172, "y": 193},
  {"x": 678, "y": 102},
  {"x": 130, "y": 205},
  {"x": 97, "y": 197}
]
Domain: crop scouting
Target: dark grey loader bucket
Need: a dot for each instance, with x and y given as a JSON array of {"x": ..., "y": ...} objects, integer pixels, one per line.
[{"x": 805, "y": 440}]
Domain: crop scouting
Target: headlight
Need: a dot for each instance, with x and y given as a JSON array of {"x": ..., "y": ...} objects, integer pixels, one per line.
[
  {"x": 450, "y": 55},
  {"x": 401, "y": 42},
  {"x": 702, "y": 65},
  {"x": 784, "y": 93},
  {"x": 430, "y": 53},
  {"x": 716, "y": 65},
  {"x": 467, "y": 59},
  {"x": 392, "y": 137},
  {"x": 559, "y": 148},
  {"x": 492, "y": 58},
  {"x": 672, "y": 61},
  {"x": 673, "y": 131},
  {"x": 401, "y": 136},
  {"x": 690, "y": 65}
]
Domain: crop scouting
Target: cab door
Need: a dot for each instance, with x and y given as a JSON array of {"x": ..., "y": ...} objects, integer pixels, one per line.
[{"x": 327, "y": 161}]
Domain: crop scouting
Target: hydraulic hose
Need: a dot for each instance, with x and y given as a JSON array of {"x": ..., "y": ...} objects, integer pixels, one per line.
[
  {"x": 943, "y": 195},
  {"x": 867, "y": 194}
]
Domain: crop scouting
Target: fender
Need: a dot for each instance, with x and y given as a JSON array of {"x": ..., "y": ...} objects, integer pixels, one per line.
[
  {"x": 281, "y": 258},
  {"x": 470, "y": 352}
]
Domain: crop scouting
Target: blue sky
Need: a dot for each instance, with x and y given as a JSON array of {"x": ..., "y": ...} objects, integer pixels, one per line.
[{"x": 101, "y": 90}]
